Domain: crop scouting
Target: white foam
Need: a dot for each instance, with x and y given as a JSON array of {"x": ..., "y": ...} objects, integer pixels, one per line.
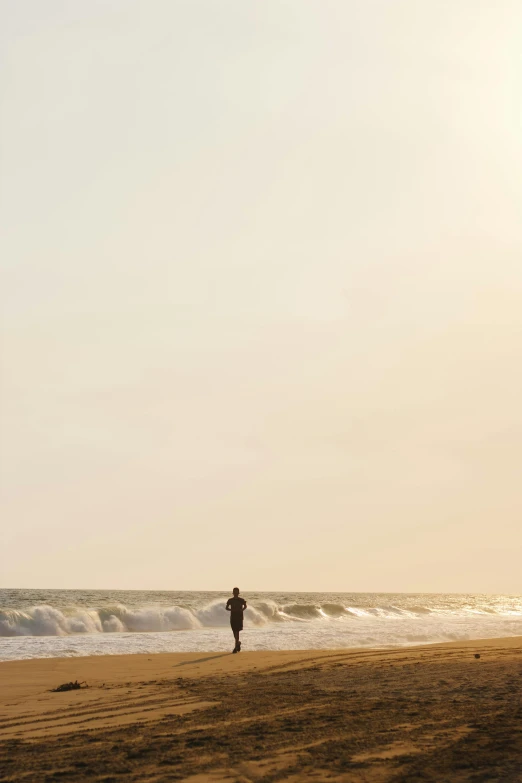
[
  {"x": 201, "y": 624},
  {"x": 369, "y": 632}
]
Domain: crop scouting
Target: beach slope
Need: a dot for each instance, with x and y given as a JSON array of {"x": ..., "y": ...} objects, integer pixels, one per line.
[{"x": 377, "y": 716}]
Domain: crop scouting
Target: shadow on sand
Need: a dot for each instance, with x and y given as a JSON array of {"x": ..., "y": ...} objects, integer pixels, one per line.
[{"x": 201, "y": 660}]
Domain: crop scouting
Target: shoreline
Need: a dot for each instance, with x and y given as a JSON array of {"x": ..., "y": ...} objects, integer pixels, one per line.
[
  {"x": 91, "y": 662},
  {"x": 225, "y": 649},
  {"x": 98, "y": 663},
  {"x": 146, "y": 644},
  {"x": 366, "y": 714}
]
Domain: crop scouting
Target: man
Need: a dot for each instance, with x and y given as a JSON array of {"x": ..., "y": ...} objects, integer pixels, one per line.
[{"x": 236, "y": 606}]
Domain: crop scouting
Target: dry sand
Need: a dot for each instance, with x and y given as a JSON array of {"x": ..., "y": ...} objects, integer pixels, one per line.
[{"x": 432, "y": 713}]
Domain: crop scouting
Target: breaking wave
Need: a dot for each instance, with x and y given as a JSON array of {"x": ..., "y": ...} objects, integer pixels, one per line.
[{"x": 46, "y": 620}]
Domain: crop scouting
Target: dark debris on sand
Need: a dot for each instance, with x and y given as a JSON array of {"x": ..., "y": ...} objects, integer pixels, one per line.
[{"x": 69, "y": 686}]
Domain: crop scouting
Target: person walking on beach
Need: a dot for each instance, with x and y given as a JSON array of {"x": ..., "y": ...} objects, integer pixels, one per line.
[{"x": 236, "y": 606}]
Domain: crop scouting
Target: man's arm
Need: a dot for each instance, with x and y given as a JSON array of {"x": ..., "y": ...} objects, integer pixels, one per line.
[
  {"x": 228, "y": 606},
  {"x": 244, "y": 604}
]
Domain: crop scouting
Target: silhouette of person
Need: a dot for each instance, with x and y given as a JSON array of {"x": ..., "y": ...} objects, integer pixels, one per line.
[{"x": 236, "y": 606}]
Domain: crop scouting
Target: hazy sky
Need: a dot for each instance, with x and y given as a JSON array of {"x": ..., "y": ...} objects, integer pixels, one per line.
[{"x": 261, "y": 294}]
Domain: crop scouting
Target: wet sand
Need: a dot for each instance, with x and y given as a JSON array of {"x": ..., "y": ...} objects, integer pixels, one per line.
[{"x": 434, "y": 713}]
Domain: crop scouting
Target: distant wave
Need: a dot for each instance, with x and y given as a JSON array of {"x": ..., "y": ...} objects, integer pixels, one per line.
[{"x": 46, "y": 620}]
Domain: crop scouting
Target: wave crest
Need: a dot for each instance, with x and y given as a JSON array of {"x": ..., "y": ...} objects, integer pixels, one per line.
[{"x": 46, "y": 620}]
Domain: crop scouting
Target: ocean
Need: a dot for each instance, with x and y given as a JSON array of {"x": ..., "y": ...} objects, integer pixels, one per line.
[{"x": 61, "y": 623}]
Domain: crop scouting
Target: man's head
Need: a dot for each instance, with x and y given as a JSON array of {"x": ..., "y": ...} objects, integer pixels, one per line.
[{"x": 235, "y": 592}]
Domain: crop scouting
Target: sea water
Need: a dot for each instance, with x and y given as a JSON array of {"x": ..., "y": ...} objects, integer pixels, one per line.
[{"x": 60, "y": 623}]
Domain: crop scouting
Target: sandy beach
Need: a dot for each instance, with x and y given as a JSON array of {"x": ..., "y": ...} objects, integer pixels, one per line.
[{"x": 412, "y": 714}]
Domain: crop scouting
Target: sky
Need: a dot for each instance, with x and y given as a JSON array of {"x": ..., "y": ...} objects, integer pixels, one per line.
[{"x": 261, "y": 279}]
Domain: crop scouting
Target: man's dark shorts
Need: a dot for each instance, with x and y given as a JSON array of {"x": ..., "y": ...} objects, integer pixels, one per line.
[{"x": 236, "y": 621}]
